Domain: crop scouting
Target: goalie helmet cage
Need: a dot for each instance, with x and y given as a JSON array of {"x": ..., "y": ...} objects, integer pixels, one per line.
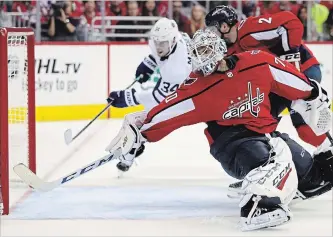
[{"x": 17, "y": 104}]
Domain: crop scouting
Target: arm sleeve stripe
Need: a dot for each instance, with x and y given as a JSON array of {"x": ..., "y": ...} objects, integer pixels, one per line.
[
  {"x": 178, "y": 109},
  {"x": 275, "y": 33},
  {"x": 152, "y": 58},
  {"x": 285, "y": 38},
  {"x": 289, "y": 79},
  {"x": 271, "y": 34},
  {"x": 255, "y": 32}
]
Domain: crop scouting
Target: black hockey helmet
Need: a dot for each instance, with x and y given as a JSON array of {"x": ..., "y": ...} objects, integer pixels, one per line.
[{"x": 221, "y": 14}]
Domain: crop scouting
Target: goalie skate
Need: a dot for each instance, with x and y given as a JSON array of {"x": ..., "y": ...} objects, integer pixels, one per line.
[
  {"x": 255, "y": 216},
  {"x": 234, "y": 190}
]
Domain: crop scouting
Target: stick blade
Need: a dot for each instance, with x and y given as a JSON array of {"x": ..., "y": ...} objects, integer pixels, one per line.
[
  {"x": 31, "y": 179},
  {"x": 68, "y": 136}
]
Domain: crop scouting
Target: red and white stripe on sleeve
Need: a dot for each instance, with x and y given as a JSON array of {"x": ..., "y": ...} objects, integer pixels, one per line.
[
  {"x": 165, "y": 118},
  {"x": 290, "y": 85},
  {"x": 275, "y": 33}
]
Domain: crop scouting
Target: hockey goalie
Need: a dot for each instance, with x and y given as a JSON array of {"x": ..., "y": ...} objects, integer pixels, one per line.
[{"x": 231, "y": 95}]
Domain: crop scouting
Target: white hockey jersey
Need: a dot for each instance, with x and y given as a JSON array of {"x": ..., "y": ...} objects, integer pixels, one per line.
[{"x": 174, "y": 69}]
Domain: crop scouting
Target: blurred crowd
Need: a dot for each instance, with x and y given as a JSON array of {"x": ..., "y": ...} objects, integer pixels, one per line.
[{"x": 74, "y": 20}]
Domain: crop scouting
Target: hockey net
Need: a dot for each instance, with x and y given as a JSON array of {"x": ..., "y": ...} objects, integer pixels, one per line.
[{"x": 17, "y": 107}]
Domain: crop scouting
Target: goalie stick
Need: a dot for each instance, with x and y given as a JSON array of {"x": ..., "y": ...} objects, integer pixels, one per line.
[{"x": 37, "y": 183}]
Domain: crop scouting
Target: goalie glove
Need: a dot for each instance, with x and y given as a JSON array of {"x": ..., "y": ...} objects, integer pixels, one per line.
[
  {"x": 123, "y": 98},
  {"x": 129, "y": 140},
  {"x": 316, "y": 112}
]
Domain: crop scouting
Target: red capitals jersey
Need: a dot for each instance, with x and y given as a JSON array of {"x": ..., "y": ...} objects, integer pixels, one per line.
[
  {"x": 235, "y": 97},
  {"x": 275, "y": 33}
]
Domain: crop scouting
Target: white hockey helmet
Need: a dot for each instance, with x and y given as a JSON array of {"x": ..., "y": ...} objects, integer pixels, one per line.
[
  {"x": 207, "y": 49},
  {"x": 164, "y": 36}
]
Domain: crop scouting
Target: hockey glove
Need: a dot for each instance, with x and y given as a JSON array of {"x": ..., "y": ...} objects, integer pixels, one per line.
[
  {"x": 145, "y": 69},
  {"x": 316, "y": 111},
  {"x": 123, "y": 98},
  {"x": 293, "y": 56},
  {"x": 129, "y": 139}
]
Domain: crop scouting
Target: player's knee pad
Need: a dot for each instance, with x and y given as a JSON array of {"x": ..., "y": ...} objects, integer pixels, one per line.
[{"x": 276, "y": 181}]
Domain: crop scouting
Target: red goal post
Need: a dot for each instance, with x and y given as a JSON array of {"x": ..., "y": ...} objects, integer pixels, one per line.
[{"x": 17, "y": 106}]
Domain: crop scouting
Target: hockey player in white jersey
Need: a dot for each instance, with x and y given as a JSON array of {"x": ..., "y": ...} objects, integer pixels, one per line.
[{"x": 168, "y": 53}]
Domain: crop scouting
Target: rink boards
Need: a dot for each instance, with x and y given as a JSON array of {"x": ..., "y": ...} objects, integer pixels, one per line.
[{"x": 73, "y": 80}]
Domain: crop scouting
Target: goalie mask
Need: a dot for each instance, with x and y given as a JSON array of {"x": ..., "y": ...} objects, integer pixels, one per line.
[
  {"x": 207, "y": 50},
  {"x": 163, "y": 37}
]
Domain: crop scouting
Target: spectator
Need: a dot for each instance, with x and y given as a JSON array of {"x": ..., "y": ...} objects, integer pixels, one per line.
[
  {"x": 303, "y": 17},
  {"x": 89, "y": 12},
  {"x": 197, "y": 19},
  {"x": 28, "y": 13},
  {"x": 275, "y": 7},
  {"x": 319, "y": 13},
  {"x": 329, "y": 25},
  {"x": 77, "y": 8},
  {"x": 62, "y": 27},
  {"x": 249, "y": 8},
  {"x": 182, "y": 21},
  {"x": 213, "y": 4},
  {"x": 328, "y": 4},
  {"x": 132, "y": 10},
  {"x": 266, "y": 7},
  {"x": 116, "y": 8},
  {"x": 5, "y": 20},
  {"x": 162, "y": 8},
  {"x": 149, "y": 9}
]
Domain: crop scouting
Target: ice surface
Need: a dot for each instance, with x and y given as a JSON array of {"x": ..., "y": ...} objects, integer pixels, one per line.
[{"x": 178, "y": 189}]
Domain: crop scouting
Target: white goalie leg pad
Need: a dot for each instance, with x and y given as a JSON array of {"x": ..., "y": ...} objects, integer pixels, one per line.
[
  {"x": 129, "y": 136},
  {"x": 324, "y": 147},
  {"x": 316, "y": 113},
  {"x": 276, "y": 179}
]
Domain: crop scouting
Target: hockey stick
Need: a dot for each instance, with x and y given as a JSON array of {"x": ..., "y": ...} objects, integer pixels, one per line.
[
  {"x": 68, "y": 135},
  {"x": 36, "y": 183},
  {"x": 329, "y": 137}
]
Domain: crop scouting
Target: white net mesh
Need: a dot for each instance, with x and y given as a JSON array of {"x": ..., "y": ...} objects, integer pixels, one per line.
[{"x": 17, "y": 109}]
